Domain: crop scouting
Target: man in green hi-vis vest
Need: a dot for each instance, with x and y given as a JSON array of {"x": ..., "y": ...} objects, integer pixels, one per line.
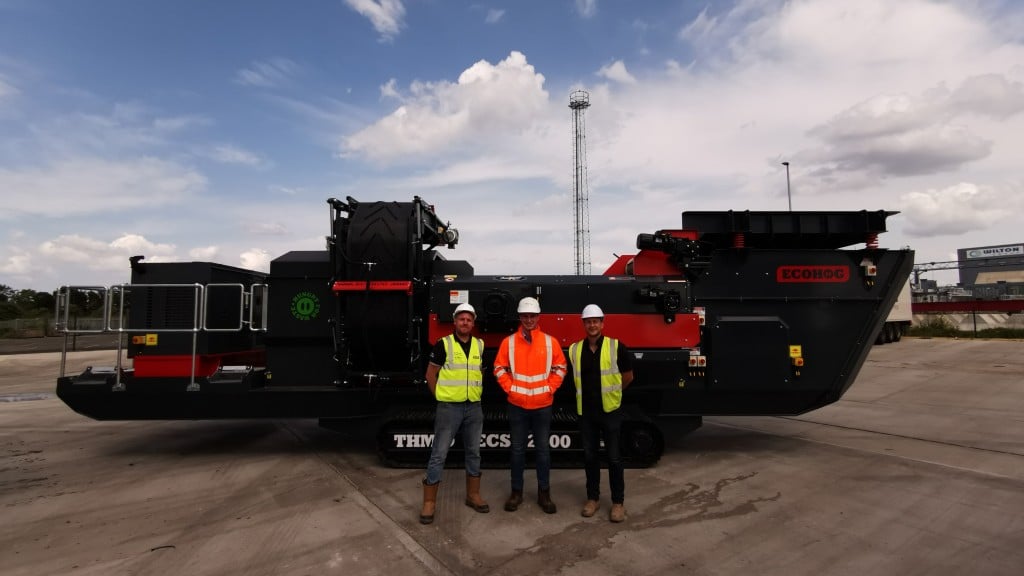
[
  {"x": 601, "y": 368},
  {"x": 455, "y": 377}
]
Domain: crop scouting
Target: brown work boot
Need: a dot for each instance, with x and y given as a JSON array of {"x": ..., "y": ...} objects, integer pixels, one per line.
[
  {"x": 514, "y": 500},
  {"x": 473, "y": 499},
  {"x": 618, "y": 513},
  {"x": 545, "y": 503},
  {"x": 429, "y": 502},
  {"x": 590, "y": 508}
]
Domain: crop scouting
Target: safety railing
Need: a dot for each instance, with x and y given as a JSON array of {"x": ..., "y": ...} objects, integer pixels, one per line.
[{"x": 252, "y": 315}]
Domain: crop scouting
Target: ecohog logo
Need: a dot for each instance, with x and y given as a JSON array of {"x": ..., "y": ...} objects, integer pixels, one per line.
[{"x": 812, "y": 274}]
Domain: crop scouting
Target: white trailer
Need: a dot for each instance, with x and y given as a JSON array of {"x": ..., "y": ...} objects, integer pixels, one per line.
[{"x": 899, "y": 319}]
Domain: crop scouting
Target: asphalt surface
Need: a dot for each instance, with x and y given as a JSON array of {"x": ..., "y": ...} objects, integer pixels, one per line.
[{"x": 919, "y": 469}]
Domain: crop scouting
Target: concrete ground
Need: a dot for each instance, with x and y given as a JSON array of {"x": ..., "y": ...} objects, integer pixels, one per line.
[{"x": 918, "y": 470}]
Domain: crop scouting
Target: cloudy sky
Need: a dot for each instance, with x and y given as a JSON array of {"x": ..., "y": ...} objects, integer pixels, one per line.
[{"x": 197, "y": 130}]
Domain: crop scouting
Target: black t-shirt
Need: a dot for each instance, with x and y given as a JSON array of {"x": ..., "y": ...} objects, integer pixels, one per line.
[
  {"x": 590, "y": 373},
  {"x": 438, "y": 355}
]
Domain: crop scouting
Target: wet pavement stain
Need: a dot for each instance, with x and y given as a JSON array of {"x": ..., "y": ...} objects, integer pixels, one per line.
[
  {"x": 585, "y": 540},
  {"x": 707, "y": 504}
]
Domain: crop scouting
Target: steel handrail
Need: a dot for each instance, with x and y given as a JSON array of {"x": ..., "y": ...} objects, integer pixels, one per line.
[{"x": 199, "y": 317}]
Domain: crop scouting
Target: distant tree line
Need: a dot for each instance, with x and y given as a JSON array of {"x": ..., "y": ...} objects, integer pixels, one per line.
[{"x": 32, "y": 304}]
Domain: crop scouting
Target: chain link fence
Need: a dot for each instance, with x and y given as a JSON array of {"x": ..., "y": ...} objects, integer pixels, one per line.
[{"x": 40, "y": 327}]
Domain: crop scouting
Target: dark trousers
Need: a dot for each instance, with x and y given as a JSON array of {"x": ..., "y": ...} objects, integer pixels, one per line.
[
  {"x": 592, "y": 428},
  {"x": 538, "y": 422}
]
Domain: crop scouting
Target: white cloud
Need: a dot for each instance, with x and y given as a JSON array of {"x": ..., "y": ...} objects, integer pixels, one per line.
[
  {"x": 863, "y": 124},
  {"x": 912, "y": 105},
  {"x": 903, "y": 135},
  {"x": 255, "y": 259},
  {"x": 958, "y": 209},
  {"x": 204, "y": 253},
  {"x": 389, "y": 90},
  {"x": 178, "y": 123},
  {"x": 6, "y": 88},
  {"x": 17, "y": 264},
  {"x": 126, "y": 129},
  {"x": 228, "y": 154},
  {"x": 864, "y": 115},
  {"x": 586, "y": 8},
  {"x": 271, "y": 73},
  {"x": 488, "y": 103},
  {"x": 385, "y": 15},
  {"x": 478, "y": 171},
  {"x": 616, "y": 71},
  {"x": 93, "y": 185},
  {"x": 494, "y": 16},
  {"x": 988, "y": 95},
  {"x": 267, "y": 228},
  {"x": 111, "y": 256},
  {"x": 699, "y": 28},
  {"x": 286, "y": 190}
]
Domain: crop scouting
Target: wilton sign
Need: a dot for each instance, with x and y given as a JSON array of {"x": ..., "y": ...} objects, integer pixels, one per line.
[{"x": 996, "y": 251}]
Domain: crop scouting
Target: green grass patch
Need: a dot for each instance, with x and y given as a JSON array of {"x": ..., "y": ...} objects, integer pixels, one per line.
[{"x": 942, "y": 327}]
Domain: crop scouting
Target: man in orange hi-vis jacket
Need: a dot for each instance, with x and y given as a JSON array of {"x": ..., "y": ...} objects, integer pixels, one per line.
[{"x": 530, "y": 366}]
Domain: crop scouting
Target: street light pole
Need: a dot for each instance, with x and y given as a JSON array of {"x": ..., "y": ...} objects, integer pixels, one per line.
[{"x": 789, "y": 196}]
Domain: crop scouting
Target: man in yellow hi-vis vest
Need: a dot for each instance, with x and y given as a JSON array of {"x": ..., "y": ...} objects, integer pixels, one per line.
[
  {"x": 601, "y": 369},
  {"x": 455, "y": 377}
]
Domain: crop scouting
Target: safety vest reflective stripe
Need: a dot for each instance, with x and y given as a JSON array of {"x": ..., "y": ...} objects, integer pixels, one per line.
[
  {"x": 525, "y": 378},
  {"x": 611, "y": 378},
  {"x": 547, "y": 361},
  {"x": 460, "y": 378},
  {"x": 512, "y": 354},
  {"x": 446, "y": 382},
  {"x": 449, "y": 345},
  {"x": 531, "y": 391}
]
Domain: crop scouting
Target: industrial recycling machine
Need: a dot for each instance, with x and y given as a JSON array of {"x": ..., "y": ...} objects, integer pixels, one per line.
[{"x": 732, "y": 313}]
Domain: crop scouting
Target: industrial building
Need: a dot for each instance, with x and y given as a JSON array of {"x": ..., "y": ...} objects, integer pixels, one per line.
[{"x": 992, "y": 272}]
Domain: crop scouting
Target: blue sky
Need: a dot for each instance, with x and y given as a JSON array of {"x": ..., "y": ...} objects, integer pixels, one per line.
[{"x": 197, "y": 130}]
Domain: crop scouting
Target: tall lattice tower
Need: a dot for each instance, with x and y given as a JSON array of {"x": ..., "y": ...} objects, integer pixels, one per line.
[{"x": 579, "y": 101}]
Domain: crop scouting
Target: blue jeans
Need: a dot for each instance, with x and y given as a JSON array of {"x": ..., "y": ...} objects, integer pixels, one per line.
[
  {"x": 521, "y": 422},
  {"x": 451, "y": 416},
  {"x": 592, "y": 428}
]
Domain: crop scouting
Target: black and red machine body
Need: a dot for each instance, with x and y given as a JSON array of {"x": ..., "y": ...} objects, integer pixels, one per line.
[{"x": 733, "y": 313}]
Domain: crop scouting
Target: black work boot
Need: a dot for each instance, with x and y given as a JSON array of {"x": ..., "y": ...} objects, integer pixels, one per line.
[
  {"x": 545, "y": 503},
  {"x": 514, "y": 500}
]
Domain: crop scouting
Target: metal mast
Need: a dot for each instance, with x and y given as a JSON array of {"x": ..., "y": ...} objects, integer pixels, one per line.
[{"x": 579, "y": 101}]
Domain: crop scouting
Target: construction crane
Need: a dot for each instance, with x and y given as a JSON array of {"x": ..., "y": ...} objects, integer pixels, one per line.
[{"x": 954, "y": 265}]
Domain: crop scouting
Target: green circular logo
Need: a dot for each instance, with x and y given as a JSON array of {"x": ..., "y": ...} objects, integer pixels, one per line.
[{"x": 305, "y": 306}]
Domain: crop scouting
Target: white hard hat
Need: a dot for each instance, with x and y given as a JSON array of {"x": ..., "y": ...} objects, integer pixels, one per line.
[
  {"x": 529, "y": 306},
  {"x": 464, "y": 307},
  {"x": 592, "y": 311}
]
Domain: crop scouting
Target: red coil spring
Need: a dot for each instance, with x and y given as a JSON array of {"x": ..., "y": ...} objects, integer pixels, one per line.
[
  {"x": 872, "y": 240},
  {"x": 738, "y": 240}
]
